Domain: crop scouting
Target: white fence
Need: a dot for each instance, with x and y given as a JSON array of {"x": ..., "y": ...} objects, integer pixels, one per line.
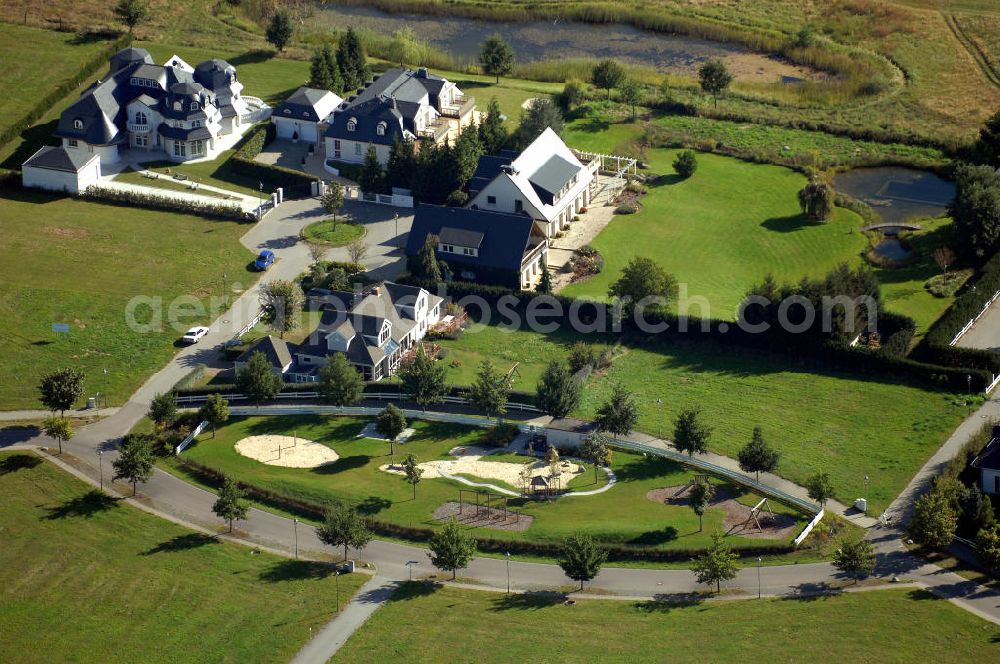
[
  {"x": 249, "y": 326},
  {"x": 808, "y": 529},
  {"x": 972, "y": 322},
  {"x": 374, "y": 396},
  {"x": 191, "y": 436}
]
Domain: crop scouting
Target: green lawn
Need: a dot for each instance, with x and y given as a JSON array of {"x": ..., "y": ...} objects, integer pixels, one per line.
[
  {"x": 879, "y": 626},
  {"x": 323, "y": 232},
  {"x": 86, "y": 579},
  {"x": 39, "y": 60},
  {"x": 734, "y": 222},
  {"x": 132, "y": 177},
  {"x": 80, "y": 263},
  {"x": 356, "y": 477},
  {"x": 841, "y": 423}
]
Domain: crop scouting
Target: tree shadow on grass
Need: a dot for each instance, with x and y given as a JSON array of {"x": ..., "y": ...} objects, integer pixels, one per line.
[
  {"x": 665, "y": 181},
  {"x": 667, "y": 602},
  {"x": 646, "y": 469},
  {"x": 17, "y": 462},
  {"x": 251, "y": 57},
  {"x": 530, "y": 601},
  {"x": 182, "y": 543},
  {"x": 655, "y": 537},
  {"x": 373, "y": 505},
  {"x": 296, "y": 570},
  {"x": 87, "y": 505},
  {"x": 789, "y": 224},
  {"x": 415, "y": 590},
  {"x": 812, "y": 591},
  {"x": 342, "y": 464}
]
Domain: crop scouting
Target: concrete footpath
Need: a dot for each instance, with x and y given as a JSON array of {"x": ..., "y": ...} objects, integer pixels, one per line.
[{"x": 324, "y": 645}]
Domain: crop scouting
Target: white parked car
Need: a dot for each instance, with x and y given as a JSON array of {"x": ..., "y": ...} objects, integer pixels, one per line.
[{"x": 193, "y": 335}]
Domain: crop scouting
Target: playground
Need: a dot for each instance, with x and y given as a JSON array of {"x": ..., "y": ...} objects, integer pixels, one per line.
[
  {"x": 758, "y": 520},
  {"x": 617, "y": 511}
]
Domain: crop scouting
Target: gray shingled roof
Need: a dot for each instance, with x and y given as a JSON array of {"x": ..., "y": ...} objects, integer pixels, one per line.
[
  {"x": 461, "y": 237},
  {"x": 302, "y": 105},
  {"x": 551, "y": 177},
  {"x": 59, "y": 159},
  {"x": 274, "y": 349},
  {"x": 506, "y": 237}
]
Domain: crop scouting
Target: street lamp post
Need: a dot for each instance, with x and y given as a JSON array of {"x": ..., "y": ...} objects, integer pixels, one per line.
[
  {"x": 395, "y": 216},
  {"x": 759, "y": 561},
  {"x": 866, "y": 493},
  {"x": 100, "y": 463},
  {"x": 337, "y": 576},
  {"x": 105, "y": 387},
  {"x": 295, "y": 525},
  {"x": 508, "y": 572},
  {"x": 225, "y": 292},
  {"x": 659, "y": 402},
  {"x": 409, "y": 566}
]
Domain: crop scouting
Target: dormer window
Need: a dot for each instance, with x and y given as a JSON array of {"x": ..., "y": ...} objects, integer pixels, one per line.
[
  {"x": 380, "y": 129},
  {"x": 134, "y": 81},
  {"x": 352, "y": 124},
  {"x": 288, "y": 111},
  {"x": 178, "y": 106},
  {"x": 77, "y": 124},
  {"x": 194, "y": 106}
]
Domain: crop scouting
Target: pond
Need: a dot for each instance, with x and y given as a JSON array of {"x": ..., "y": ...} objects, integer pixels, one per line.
[
  {"x": 558, "y": 40},
  {"x": 898, "y": 194}
]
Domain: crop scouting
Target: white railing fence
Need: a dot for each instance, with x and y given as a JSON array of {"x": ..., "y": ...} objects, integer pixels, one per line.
[
  {"x": 809, "y": 526},
  {"x": 191, "y": 436},
  {"x": 972, "y": 322}
]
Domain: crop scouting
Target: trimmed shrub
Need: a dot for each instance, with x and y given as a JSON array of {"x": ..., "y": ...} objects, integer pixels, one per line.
[
  {"x": 224, "y": 211},
  {"x": 629, "y": 207},
  {"x": 686, "y": 164}
]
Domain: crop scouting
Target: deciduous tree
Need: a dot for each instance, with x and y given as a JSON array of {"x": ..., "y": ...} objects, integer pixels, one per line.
[
  {"x": 389, "y": 424},
  {"x": 855, "y": 558},
  {"x": 820, "y": 488},
  {"x": 59, "y": 428},
  {"x": 630, "y": 94},
  {"x": 333, "y": 200},
  {"x": 643, "y": 283},
  {"x": 816, "y": 201},
  {"x": 490, "y": 390},
  {"x": 280, "y": 302},
  {"x": 340, "y": 384},
  {"x": 256, "y": 379},
  {"x": 61, "y": 389},
  {"x": 163, "y": 410},
  {"x": 280, "y": 31},
  {"x": 413, "y": 472},
  {"x": 597, "y": 450},
  {"x": 934, "y": 520},
  {"x": 976, "y": 211},
  {"x": 714, "y": 78},
  {"x": 424, "y": 379},
  {"x": 215, "y": 411},
  {"x": 699, "y": 497},
  {"x": 582, "y": 558},
  {"x": 135, "y": 460},
  {"x": 608, "y": 74},
  {"x": 344, "y": 527},
  {"x": 496, "y": 57},
  {"x": 988, "y": 546},
  {"x": 452, "y": 548},
  {"x": 230, "y": 505},
  {"x": 718, "y": 564},
  {"x": 131, "y": 13}
]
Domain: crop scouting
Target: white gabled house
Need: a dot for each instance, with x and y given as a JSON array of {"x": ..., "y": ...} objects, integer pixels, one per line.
[{"x": 546, "y": 181}]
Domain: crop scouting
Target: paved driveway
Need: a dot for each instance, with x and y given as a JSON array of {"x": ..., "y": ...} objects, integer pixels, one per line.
[{"x": 985, "y": 334}]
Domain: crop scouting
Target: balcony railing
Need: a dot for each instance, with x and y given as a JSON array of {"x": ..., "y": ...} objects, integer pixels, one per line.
[
  {"x": 436, "y": 130},
  {"x": 139, "y": 128},
  {"x": 461, "y": 106}
]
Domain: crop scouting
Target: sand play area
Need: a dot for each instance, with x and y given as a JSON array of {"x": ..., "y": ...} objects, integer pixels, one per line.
[
  {"x": 474, "y": 461},
  {"x": 778, "y": 526},
  {"x": 286, "y": 451}
]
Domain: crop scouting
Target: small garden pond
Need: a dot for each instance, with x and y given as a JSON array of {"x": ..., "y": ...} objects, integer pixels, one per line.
[{"x": 898, "y": 194}]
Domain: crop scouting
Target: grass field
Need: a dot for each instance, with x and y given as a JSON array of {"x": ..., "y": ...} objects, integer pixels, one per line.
[
  {"x": 324, "y": 232},
  {"x": 734, "y": 222},
  {"x": 44, "y": 59},
  {"x": 356, "y": 477},
  {"x": 80, "y": 263},
  {"x": 850, "y": 627},
  {"x": 841, "y": 423},
  {"x": 87, "y": 579}
]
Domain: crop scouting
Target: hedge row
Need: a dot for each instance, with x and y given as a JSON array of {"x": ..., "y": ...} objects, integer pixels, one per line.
[
  {"x": 157, "y": 202},
  {"x": 934, "y": 347},
  {"x": 316, "y": 512},
  {"x": 242, "y": 162},
  {"x": 349, "y": 171},
  {"x": 885, "y": 363},
  {"x": 517, "y": 396},
  {"x": 45, "y": 104}
]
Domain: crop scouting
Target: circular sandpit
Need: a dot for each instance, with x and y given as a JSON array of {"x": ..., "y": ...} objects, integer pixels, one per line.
[{"x": 286, "y": 451}]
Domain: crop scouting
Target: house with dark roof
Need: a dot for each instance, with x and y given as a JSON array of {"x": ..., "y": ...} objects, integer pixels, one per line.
[
  {"x": 171, "y": 111},
  {"x": 399, "y": 105},
  {"x": 305, "y": 114},
  {"x": 59, "y": 169},
  {"x": 373, "y": 328},
  {"x": 482, "y": 245},
  {"x": 988, "y": 465},
  {"x": 546, "y": 180}
]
